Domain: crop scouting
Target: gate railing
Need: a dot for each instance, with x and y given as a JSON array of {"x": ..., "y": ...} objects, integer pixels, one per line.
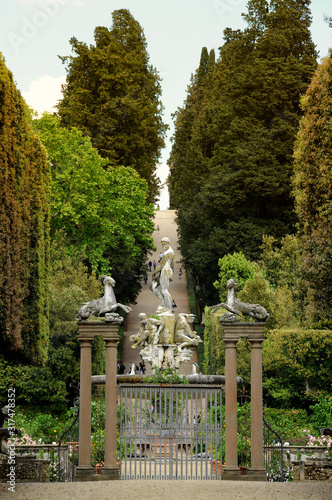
[
  {"x": 170, "y": 431},
  {"x": 276, "y": 466}
]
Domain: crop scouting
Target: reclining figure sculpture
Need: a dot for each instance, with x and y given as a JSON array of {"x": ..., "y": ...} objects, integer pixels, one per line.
[{"x": 236, "y": 307}]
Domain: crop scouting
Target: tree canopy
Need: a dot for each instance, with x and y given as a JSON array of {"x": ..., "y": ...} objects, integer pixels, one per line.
[
  {"x": 112, "y": 94},
  {"x": 313, "y": 193},
  {"x": 24, "y": 229},
  {"x": 234, "y": 138},
  {"x": 100, "y": 209}
]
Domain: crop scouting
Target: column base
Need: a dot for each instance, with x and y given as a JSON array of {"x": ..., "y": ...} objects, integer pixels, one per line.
[
  {"x": 84, "y": 473},
  {"x": 257, "y": 474},
  {"x": 230, "y": 473},
  {"x": 110, "y": 473},
  {"x": 252, "y": 474}
]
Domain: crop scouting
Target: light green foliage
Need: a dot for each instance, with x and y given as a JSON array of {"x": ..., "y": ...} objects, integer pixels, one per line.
[
  {"x": 234, "y": 266},
  {"x": 313, "y": 194},
  {"x": 167, "y": 376},
  {"x": 71, "y": 284},
  {"x": 100, "y": 209},
  {"x": 288, "y": 423},
  {"x": 112, "y": 94},
  {"x": 214, "y": 358},
  {"x": 321, "y": 415},
  {"x": 207, "y": 339},
  {"x": 278, "y": 301},
  {"x": 281, "y": 264},
  {"x": 297, "y": 364}
]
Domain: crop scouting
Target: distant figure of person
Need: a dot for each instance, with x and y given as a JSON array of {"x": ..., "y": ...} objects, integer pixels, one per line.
[
  {"x": 142, "y": 367},
  {"x": 158, "y": 229},
  {"x": 150, "y": 265},
  {"x": 145, "y": 278},
  {"x": 154, "y": 265},
  {"x": 121, "y": 368},
  {"x": 136, "y": 370},
  {"x": 173, "y": 305},
  {"x": 180, "y": 273}
]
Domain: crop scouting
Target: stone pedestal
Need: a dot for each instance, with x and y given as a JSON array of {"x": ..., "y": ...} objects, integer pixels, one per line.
[
  {"x": 232, "y": 333},
  {"x": 88, "y": 331},
  {"x": 26, "y": 470}
]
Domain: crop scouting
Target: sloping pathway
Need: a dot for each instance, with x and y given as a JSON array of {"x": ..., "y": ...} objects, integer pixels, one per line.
[{"x": 147, "y": 302}]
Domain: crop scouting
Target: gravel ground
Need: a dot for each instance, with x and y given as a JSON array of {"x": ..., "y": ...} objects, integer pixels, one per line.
[{"x": 169, "y": 490}]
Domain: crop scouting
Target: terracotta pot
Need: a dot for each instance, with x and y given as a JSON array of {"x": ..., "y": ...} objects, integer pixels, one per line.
[
  {"x": 98, "y": 468},
  {"x": 243, "y": 469},
  {"x": 218, "y": 467}
]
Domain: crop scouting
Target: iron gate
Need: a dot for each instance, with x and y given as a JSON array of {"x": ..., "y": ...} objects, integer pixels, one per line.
[{"x": 170, "y": 432}]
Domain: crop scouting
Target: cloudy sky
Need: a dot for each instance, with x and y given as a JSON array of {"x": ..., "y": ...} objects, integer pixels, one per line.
[{"x": 34, "y": 32}]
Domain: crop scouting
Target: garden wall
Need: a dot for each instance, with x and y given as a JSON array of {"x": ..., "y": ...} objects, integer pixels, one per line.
[{"x": 313, "y": 470}]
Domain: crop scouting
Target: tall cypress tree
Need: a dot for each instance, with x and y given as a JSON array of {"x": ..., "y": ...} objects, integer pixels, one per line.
[
  {"x": 242, "y": 139},
  {"x": 24, "y": 230},
  {"x": 313, "y": 193},
  {"x": 112, "y": 94}
]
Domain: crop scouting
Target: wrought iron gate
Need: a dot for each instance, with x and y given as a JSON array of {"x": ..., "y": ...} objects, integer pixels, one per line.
[{"x": 170, "y": 432}]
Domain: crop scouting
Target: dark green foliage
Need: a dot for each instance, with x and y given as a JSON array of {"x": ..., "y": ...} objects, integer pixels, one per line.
[
  {"x": 313, "y": 194},
  {"x": 112, "y": 94},
  {"x": 24, "y": 230},
  {"x": 234, "y": 139}
]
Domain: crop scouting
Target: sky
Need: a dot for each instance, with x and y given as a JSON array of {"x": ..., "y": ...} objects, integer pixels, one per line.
[{"x": 34, "y": 32}]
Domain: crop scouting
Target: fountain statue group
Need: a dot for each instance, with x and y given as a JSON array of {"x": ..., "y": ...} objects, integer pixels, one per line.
[{"x": 166, "y": 341}]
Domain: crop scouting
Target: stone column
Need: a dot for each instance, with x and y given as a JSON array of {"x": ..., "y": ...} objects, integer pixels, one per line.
[
  {"x": 88, "y": 331},
  {"x": 231, "y": 469},
  {"x": 110, "y": 469},
  {"x": 232, "y": 333},
  {"x": 84, "y": 469},
  {"x": 257, "y": 455}
]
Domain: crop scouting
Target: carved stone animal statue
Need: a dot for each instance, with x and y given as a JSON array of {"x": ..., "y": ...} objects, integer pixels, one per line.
[
  {"x": 106, "y": 304},
  {"x": 235, "y": 306}
]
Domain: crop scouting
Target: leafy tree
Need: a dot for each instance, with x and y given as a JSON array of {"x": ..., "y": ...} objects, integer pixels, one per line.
[
  {"x": 321, "y": 416},
  {"x": 112, "y": 94},
  {"x": 234, "y": 266},
  {"x": 313, "y": 193},
  {"x": 24, "y": 230},
  {"x": 296, "y": 366},
  {"x": 234, "y": 139},
  {"x": 101, "y": 210}
]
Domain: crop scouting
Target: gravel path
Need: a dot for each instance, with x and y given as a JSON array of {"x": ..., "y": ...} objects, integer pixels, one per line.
[
  {"x": 147, "y": 302},
  {"x": 169, "y": 490}
]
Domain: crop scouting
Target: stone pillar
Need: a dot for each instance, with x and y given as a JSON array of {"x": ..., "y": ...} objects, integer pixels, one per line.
[
  {"x": 84, "y": 469},
  {"x": 109, "y": 331},
  {"x": 257, "y": 455},
  {"x": 232, "y": 333},
  {"x": 231, "y": 469},
  {"x": 110, "y": 469}
]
